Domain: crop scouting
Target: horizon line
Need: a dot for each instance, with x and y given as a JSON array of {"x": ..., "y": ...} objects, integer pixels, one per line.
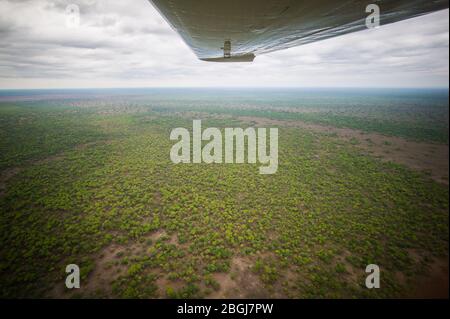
[{"x": 230, "y": 87}]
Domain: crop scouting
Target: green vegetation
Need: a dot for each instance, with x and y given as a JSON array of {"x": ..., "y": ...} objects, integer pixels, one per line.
[
  {"x": 90, "y": 180},
  {"x": 33, "y": 132},
  {"x": 414, "y": 114}
]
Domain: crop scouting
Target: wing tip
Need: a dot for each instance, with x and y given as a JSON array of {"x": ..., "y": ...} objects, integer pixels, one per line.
[{"x": 236, "y": 58}]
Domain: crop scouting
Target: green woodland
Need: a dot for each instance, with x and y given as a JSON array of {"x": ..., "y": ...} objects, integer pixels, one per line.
[{"x": 82, "y": 179}]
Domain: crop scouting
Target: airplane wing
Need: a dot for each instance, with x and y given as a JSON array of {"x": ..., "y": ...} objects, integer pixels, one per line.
[{"x": 238, "y": 30}]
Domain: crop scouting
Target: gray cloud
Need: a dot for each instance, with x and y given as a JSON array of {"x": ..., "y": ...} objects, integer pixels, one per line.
[{"x": 127, "y": 43}]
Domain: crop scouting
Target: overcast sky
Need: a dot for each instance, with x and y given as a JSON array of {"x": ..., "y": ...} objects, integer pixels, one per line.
[{"x": 128, "y": 44}]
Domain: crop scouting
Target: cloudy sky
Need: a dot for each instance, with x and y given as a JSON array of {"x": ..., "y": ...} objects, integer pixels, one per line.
[{"x": 127, "y": 44}]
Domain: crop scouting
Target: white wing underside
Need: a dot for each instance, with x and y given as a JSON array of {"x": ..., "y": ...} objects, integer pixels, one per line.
[{"x": 238, "y": 30}]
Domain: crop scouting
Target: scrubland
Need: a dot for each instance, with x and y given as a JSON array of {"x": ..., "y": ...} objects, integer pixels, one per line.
[{"x": 93, "y": 184}]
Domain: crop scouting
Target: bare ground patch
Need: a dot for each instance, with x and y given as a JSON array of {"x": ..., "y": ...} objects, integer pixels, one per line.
[
  {"x": 106, "y": 270},
  {"x": 433, "y": 284},
  {"x": 240, "y": 282},
  {"x": 244, "y": 282},
  {"x": 430, "y": 158},
  {"x": 108, "y": 267}
]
